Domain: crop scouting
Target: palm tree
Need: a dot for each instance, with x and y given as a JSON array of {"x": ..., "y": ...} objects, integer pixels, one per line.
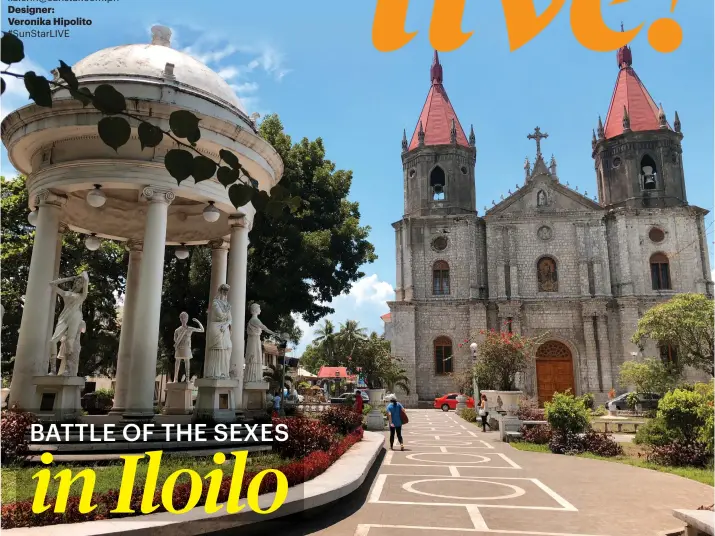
[
  {"x": 274, "y": 377},
  {"x": 397, "y": 378},
  {"x": 351, "y": 331},
  {"x": 325, "y": 339}
]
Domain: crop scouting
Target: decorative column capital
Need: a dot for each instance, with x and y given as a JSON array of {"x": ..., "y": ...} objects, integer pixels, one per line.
[
  {"x": 45, "y": 197},
  {"x": 155, "y": 194},
  {"x": 239, "y": 220},
  {"x": 218, "y": 243},
  {"x": 134, "y": 245}
]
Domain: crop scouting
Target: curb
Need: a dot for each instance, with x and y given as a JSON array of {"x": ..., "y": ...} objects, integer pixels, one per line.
[{"x": 342, "y": 478}]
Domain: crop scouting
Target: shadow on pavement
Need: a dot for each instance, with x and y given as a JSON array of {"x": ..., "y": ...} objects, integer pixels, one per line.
[{"x": 316, "y": 519}]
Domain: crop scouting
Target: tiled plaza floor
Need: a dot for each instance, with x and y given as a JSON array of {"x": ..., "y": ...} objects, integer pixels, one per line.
[{"x": 454, "y": 480}]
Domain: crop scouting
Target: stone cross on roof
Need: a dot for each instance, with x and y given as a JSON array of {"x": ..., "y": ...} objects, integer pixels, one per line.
[{"x": 538, "y": 136}]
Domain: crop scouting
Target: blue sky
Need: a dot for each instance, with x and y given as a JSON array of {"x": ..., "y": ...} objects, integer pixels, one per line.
[{"x": 313, "y": 63}]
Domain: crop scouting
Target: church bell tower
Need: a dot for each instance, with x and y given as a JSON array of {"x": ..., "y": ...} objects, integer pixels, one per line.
[
  {"x": 438, "y": 161},
  {"x": 637, "y": 153}
]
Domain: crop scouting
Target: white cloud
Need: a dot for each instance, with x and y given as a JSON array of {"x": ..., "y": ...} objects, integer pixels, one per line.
[
  {"x": 366, "y": 302},
  {"x": 246, "y": 87},
  {"x": 238, "y": 64}
]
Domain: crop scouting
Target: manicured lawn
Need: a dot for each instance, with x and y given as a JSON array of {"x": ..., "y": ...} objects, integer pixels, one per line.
[
  {"x": 17, "y": 482},
  {"x": 631, "y": 457}
]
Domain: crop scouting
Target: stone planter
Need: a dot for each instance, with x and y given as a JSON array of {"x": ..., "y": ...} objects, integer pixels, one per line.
[
  {"x": 461, "y": 402},
  {"x": 375, "y": 421}
]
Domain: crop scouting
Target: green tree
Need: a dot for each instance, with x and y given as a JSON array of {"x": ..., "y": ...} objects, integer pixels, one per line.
[
  {"x": 313, "y": 358},
  {"x": 685, "y": 322},
  {"x": 106, "y": 268},
  {"x": 300, "y": 262},
  {"x": 649, "y": 376}
]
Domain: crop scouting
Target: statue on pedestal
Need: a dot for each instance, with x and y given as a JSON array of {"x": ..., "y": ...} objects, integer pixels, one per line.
[
  {"x": 218, "y": 358},
  {"x": 69, "y": 355},
  {"x": 182, "y": 344},
  {"x": 254, "y": 348},
  {"x": 70, "y": 320}
]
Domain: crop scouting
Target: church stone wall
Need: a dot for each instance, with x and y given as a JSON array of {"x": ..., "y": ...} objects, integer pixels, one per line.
[{"x": 449, "y": 319}]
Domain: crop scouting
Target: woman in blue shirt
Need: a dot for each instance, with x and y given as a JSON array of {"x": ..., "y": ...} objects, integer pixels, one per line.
[{"x": 394, "y": 418}]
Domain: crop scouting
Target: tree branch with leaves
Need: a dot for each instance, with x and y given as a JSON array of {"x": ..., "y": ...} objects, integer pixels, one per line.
[{"x": 115, "y": 130}]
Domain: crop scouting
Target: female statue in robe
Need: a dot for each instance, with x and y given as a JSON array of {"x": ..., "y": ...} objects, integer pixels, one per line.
[
  {"x": 254, "y": 348},
  {"x": 218, "y": 334},
  {"x": 70, "y": 320}
]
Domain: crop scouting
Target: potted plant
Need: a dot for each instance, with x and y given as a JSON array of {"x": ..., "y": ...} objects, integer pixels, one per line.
[
  {"x": 612, "y": 411},
  {"x": 501, "y": 356},
  {"x": 372, "y": 360},
  {"x": 463, "y": 383}
]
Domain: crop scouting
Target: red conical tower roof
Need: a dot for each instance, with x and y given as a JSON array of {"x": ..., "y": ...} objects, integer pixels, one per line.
[
  {"x": 630, "y": 94},
  {"x": 437, "y": 114}
]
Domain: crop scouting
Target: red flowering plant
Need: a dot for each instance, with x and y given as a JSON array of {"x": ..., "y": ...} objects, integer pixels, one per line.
[{"x": 501, "y": 355}]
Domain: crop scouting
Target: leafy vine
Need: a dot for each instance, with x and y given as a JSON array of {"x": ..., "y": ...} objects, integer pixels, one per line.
[{"x": 115, "y": 131}]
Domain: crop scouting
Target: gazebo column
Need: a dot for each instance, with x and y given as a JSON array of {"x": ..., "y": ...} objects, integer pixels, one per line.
[
  {"x": 129, "y": 312},
  {"x": 52, "y": 348},
  {"x": 145, "y": 335},
  {"x": 219, "y": 262},
  {"x": 237, "y": 267},
  {"x": 31, "y": 355}
]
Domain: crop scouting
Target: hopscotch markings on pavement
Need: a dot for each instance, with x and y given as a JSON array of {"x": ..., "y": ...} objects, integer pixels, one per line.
[
  {"x": 363, "y": 530},
  {"x": 507, "y": 482}
]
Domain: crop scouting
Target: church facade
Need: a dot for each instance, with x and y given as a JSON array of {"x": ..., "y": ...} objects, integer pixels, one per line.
[{"x": 546, "y": 259}]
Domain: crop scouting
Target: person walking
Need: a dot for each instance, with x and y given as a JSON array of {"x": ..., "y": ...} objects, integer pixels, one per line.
[
  {"x": 483, "y": 413},
  {"x": 394, "y": 418},
  {"x": 276, "y": 404},
  {"x": 358, "y": 402}
]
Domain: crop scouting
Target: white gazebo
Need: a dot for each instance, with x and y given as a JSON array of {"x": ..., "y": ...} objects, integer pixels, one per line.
[{"x": 75, "y": 181}]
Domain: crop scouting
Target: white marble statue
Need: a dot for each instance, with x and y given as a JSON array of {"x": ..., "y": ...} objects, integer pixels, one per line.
[
  {"x": 218, "y": 359},
  {"x": 70, "y": 320},
  {"x": 182, "y": 344},
  {"x": 254, "y": 348},
  {"x": 69, "y": 355}
]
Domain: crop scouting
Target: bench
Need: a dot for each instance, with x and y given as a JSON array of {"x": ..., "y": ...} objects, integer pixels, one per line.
[
  {"x": 511, "y": 436},
  {"x": 619, "y": 425},
  {"x": 697, "y": 522},
  {"x": 534, "y": 423}
]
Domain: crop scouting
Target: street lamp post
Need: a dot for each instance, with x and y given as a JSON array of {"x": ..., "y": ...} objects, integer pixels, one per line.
[{"x": 475, "y": 387}]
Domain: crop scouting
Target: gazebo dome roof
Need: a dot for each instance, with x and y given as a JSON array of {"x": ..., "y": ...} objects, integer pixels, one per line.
[{"x": 160, "y": 64}]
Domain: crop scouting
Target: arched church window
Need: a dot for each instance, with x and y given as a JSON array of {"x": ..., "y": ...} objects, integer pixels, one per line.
[
  {"x": 649, "y": 173},
  {"x": 443, "y": 362},
  {"x": 437, "y": 182},
  {"x": 660, "y": 272},
  {"x": 547, "y": 275},
  {"x": 541, "y": 200},
  {"x": 440, "y": 278}
]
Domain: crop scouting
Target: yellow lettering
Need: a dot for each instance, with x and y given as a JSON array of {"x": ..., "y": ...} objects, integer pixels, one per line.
[
  {"x": 214, "y": 477},
  {"x": 234, "y": 492},
  {"x": 167, "y": 491},
  {"x": 522, "y": 22},
  {"x": 152, "y": 475},
  {"x": 591, "y": 31},
  {"x": 388, "y": 27},
  {"x": 43, "y": 482},
  {"x": 127, "y": 485},
  {"x": 66, "y": 480},
  {"x": 281, "y": 491},
  {"x": 446, "y": 26}
]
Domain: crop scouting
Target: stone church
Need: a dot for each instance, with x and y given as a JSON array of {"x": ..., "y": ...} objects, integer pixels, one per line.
[{"x": 547, "y": 258}]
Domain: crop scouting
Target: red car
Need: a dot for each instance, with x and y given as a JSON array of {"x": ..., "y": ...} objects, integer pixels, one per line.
[{"x": 449, "y": 401}]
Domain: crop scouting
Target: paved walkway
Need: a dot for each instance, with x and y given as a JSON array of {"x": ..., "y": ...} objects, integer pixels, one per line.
[{"x": 454, "y": 480}]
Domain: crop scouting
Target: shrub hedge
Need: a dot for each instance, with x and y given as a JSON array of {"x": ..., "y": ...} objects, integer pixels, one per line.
[{"x": 19, "y": 514}]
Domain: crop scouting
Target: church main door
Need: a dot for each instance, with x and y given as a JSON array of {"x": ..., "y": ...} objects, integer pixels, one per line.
[{"x": 554, "y": 370}]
